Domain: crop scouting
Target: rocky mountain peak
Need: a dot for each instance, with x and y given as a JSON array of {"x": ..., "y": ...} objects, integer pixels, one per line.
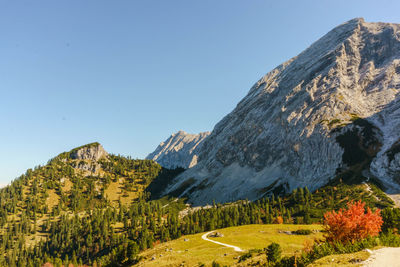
[
  {"x": 179, "y": 150},
  {"x": 93, "y": 151},
  {"x": 332, "y": 108}
]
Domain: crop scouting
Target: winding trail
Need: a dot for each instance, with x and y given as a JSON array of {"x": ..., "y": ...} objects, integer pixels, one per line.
[
  {"x": 204, "y": 237},
  {"x": 383, "y": 257}
]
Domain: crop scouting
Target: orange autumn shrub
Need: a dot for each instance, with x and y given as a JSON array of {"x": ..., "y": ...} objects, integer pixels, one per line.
[
  {"x": 278, "y": 220},
  {"x": 353, "y": 223}
]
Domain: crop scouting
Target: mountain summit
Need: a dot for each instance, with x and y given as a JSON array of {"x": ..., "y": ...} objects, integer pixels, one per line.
[
  {"x": 332, "y": 111},
  {"x": 93, "y": 151},
  {"x": 179, "y": 150}
]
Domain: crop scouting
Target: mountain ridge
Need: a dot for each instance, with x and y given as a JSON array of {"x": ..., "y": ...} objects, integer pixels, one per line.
[{"x": 179, "y": 150}]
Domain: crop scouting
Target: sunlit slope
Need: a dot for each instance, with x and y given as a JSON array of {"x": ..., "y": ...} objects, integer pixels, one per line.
[{"x": 191, "y": 250}]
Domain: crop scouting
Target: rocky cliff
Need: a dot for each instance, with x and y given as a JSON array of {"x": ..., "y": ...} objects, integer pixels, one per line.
[
  {"x": 332, "y": 110},
  {"x": 93, "y": 151},
  {"x": 85, "y": 158},
  {"x": 179, "y": 150}
]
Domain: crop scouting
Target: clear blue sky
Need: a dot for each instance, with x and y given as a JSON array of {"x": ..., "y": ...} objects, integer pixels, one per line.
[{"x": 129, "y": 73}]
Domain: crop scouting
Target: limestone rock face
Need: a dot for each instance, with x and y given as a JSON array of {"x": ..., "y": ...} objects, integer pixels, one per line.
[
  {"x": 88, "y": 168},
  {"x": 179, "y": 150},
  {"x": 333, "y": 106},
  {"x": 94, "y": 151}
]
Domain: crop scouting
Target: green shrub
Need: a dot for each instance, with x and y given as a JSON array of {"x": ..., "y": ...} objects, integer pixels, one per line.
[
  {"x": 321, "y": 250},
  {"x": 302, "y": 232},
  {"x": 273, "y": 252},
  {"x": 245, "y": 256},
  {"x": 391, "y": 219},
  {"x": 288, "y": 262},
  {"x": 390, "y": 239}
]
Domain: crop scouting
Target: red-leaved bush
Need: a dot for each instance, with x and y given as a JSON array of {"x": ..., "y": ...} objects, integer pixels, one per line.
[
  {"x": 353, "y": 223},
  {"x": 278, "y": 220}
]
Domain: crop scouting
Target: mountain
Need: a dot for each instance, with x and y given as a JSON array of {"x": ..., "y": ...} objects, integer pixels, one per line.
[
  {"x": 75, "y": 209},
  {"x": 179, "y": 150},
  {"x": 332, "y": 112}
]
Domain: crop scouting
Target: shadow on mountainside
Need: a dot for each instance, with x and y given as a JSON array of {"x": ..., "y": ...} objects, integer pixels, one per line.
[
  {"x": 362, "y": 141},
  {"x": 160, "y": 183}
]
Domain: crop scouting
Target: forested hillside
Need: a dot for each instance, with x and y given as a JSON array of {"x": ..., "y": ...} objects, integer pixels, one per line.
[
  {"x": 50, "y": 200},
  {"x": 87, "y": 207}
]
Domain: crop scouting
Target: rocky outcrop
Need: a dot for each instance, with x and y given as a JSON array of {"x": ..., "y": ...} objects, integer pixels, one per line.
[
  {"x": 88, "y": 168},
  {"x": 86, "y": 158},
  {"x": 93, "y": 151},
  {"x": 333, "y": 107},
  {"x": 179, "y": 150}
]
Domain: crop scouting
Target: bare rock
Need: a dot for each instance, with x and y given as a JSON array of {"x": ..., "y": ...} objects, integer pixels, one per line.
[
  {"x": 93, "y": 151},
  {"x": 179, "y": 150}
]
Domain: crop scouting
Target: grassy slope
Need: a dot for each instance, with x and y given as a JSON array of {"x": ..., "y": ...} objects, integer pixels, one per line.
[
  {"x": 247, "y": 237},
  {"x": 115, "y": 191},
  {"x": 352, "y": 259}
]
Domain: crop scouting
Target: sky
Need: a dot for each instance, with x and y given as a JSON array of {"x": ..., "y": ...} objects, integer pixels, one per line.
[{"x": 128, "y": 74}]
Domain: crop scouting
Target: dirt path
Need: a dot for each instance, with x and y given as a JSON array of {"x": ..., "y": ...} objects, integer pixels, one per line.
[
  {"x": 384, "y": 257},
  {"x": 204, "y": 237}
]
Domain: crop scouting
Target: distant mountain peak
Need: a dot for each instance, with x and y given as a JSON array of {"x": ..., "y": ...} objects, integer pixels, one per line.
[
  {"x": 179, "y": 150},
  {"x": 180, "y": 132}
]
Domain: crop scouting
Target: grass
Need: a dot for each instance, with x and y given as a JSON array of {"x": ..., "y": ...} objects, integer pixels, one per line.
[
  {"x": 66, "y": 188},
  {"x": 260, "y": 236},
  {"x": 247, "y": 237},
  {"x": 189, "y": 252},
  {"x": 352, "y": 259},
  {"x": 53, "y": 199},
  {"x": 115, "y": 192}
]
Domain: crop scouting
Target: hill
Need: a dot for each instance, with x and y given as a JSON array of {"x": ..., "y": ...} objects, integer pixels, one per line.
[
  {"x": 85, "y": 177},
  {"x": 86, "y": 181}
]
